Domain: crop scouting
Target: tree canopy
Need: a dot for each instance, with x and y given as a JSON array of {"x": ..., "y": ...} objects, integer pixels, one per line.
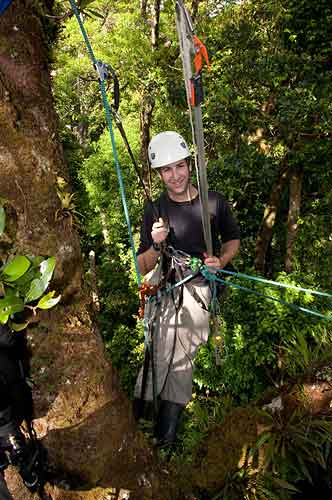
[{"x": 268, "y": 142}]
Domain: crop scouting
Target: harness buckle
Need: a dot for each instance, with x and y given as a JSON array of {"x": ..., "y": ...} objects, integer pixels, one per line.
[{"x": 146, "y": 290}]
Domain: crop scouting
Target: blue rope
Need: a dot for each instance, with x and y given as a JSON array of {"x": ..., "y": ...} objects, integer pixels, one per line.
[
  {"x": 212, "y": 277},
  {"x": 275, "y": 283},
  {"x": 110, "y": 128}
]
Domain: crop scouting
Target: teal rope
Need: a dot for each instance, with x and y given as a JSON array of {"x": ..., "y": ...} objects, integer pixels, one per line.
[
  {"x": 114, "y": 149},
  {"x": 275, "y": 283},
  {"x": 212, "y": 277}
]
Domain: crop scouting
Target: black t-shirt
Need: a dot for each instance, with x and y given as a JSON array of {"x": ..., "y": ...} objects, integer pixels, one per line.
[{"x": 185, "y": 223}]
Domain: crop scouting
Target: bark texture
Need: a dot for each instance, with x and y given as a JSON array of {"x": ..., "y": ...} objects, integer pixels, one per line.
[
  {"x": 155, "y": 7},
  {"x": 270, "y": 213},
  {"x": 295, "y": 193},
  {"x": 81, "y": 413}
]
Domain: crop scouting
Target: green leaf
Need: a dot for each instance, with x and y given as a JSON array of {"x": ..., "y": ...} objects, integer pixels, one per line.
[
  {"x": 48, "y": 301},
  {"x": 23, "y": 283},
  {"x": 4, "y": 318},
  {"x": 265, "y": 436},
  {"x": 46, "y": 269},
  {"x": 36, "y": 290},
  {"x": 94, "y": 13},
  {"x": 18, "y": 327},
  {"x": 8, "y": 306},
  {"x": 285, "y": 485},
  {"x": 85, "y": 3},
  {"x": 2, "y": 220},
  {"x": 15, "y": 269}
]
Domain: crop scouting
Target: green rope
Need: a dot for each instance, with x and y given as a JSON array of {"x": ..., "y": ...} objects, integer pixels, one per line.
[
  {"x": 213, "y": 277},
  {"x": 110, "y": 128},
  {"x": 275, "y": 283}
]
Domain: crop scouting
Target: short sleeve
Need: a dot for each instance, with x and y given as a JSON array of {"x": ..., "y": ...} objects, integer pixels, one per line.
[
  {"x": 226, "y": 223},
  {"x": 146, "y": 227}
]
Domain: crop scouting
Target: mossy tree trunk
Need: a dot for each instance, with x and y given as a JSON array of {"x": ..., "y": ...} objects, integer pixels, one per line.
[
  {"x": 295, "y": 195},
  {"x": 81, "y": 413},
  {"x": 266, "y": 230}
]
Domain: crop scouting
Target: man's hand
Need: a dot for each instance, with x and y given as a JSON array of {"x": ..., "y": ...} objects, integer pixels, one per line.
[
  {"x": 229, "y": 250},
  {"x": 159, "y": 231},
  {"x": 213, "y": 263}
]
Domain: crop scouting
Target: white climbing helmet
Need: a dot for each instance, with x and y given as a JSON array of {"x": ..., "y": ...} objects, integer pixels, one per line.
[{"x": 167, "y": 147}]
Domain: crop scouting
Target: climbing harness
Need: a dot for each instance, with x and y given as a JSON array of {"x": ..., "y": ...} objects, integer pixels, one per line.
[{"x": 191, "y": 47}]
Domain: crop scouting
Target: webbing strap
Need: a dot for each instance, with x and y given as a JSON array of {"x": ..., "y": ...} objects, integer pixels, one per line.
[
  {"x": 187, "y": 50},
  {"x": 110, "y": 128}
]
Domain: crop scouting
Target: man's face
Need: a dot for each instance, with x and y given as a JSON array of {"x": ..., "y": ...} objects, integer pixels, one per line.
[{"x": 176, "y": 177}]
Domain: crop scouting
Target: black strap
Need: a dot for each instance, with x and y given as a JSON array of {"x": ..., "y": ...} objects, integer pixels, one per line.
[
  {"x": 149, "y": 360},
  {"x": 176, "y": 324}
]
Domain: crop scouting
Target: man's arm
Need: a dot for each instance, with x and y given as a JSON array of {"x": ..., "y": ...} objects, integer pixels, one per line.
[
  {"x": 148, "y": 259},
  {"x": 228, "y": 251}
]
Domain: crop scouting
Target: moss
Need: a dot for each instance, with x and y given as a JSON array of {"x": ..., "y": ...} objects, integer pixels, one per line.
[{"x": 225, "y": 449}]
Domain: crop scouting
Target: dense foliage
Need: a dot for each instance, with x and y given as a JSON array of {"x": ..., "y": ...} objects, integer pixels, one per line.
[{"x": 268, "y": 125}]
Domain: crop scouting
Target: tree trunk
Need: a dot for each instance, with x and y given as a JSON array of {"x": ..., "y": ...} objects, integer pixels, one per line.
[
  {"x": 194, "y": 9},
  {"x": 270, "y": 212},
  {"x": 83, "y": 417},
  {"x": 144, "y": 4},
  {"x": 295, "y": 191},
  {"x": 155, "y": 24},
  {"x": 148, "y": 104}
]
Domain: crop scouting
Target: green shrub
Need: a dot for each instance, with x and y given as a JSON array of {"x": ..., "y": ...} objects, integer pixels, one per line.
[{"x": 254, "y": 330}]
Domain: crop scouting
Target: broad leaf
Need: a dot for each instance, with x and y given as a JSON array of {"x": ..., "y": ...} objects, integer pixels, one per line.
[
  {"x": 285, "y": 485},
  {"x": 48, "y": 301},
  {"x": 36, "y": 290},
  {"x": 8, "y": 306},
  {"x": 4, "y": 317},
  {"x": 15, "y": 269},
  {"x": 24, "y": 282},
  {"x": 2, "y": 220},
  {"x": 35, "y": 261},
  {"x": 85, "y": 3},
  {"x": 18, "y": 327},
  {"x": 94, "y": 13},
  {"x": 46, "y": 269}
]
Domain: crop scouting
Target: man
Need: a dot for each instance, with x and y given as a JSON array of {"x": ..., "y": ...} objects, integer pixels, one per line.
[{"x": 180, "y": 318}]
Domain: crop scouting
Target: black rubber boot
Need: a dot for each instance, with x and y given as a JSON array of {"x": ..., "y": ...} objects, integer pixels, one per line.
[
  {"x": 167, "y": 423},
  {"x": 3, "y": 462},
  {"x": 142, "y": 409}
]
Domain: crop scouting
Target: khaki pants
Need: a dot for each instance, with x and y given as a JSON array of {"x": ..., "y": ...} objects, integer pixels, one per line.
[{"x": 177, "y": 338}]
